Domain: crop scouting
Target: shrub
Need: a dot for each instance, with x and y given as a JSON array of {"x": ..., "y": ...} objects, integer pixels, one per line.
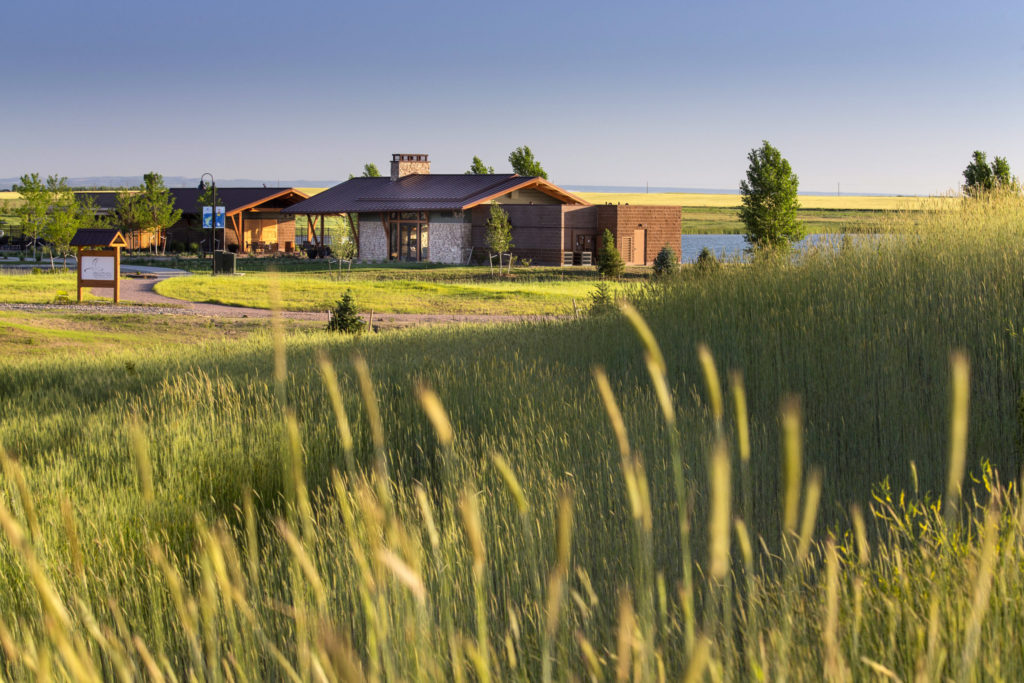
[
  {"x": 602, "y": 299},
  {"x": 609, "y": 261},
  {"x": 345, "y": 317},
  {"x": 666, "y": 262},
  {"x": 707, "y": 262}
]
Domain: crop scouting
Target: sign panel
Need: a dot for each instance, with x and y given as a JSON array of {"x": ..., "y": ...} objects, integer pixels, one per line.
[
  {"x": 98, "y": 268},
  {"x": 208, "y": 217}
]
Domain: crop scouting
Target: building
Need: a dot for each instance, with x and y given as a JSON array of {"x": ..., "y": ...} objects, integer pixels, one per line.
[
  {"x": 413, "y": 215},
  {"x": 255, "y": 220}
]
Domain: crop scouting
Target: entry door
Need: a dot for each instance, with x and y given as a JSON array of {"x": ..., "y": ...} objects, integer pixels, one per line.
[{"x": 640, "y": 247}]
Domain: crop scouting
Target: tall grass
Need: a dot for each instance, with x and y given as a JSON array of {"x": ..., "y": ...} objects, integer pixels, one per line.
[{"x": 484, "y": 504}]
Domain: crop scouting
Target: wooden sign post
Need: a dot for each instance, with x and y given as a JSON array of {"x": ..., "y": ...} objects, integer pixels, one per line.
[{"x": 99, "y": 259}]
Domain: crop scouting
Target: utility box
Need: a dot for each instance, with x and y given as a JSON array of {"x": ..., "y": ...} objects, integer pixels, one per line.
[{"x": 224, "y": 262}]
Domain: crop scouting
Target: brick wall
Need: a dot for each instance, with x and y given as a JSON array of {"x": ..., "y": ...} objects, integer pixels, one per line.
[{"x": 663, "y": 226}]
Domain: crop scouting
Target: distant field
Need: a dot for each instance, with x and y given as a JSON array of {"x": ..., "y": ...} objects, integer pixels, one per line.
[{"x": 686, "y": 199}]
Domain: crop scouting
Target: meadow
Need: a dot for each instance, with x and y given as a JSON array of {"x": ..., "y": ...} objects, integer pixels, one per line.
[{"x": 789, "y": 469}]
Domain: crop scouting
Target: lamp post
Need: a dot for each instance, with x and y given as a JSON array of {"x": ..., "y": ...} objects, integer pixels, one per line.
[{"x": 213, "y": 217}]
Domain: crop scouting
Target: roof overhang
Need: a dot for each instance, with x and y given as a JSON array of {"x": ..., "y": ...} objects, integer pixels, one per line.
[
  {"x": 538, "y": 184},
  {"x": 264, "y": 200}
]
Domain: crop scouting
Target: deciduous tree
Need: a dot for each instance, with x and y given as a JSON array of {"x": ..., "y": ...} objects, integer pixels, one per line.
[
  {"x": 769, "y": 195},
  {"x": 524, "y": 164},
  {"x": 370, "y": 171},
  {"x": 499, "y": 233},
  {"x": 153, "y": 206},
  {"x": 981, "y": 176},
  {"x": 35, "y": 205},
  {"x": 478, "y": 167}
]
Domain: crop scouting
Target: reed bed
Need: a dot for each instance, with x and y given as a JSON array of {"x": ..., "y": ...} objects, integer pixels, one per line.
[{"x": 789, "y": 469}]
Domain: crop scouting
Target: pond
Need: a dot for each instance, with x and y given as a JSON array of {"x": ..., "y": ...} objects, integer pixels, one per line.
[{"x": 731, "y": 247}]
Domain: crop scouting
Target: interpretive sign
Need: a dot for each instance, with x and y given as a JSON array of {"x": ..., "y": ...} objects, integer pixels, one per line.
[
  {"x": 98, "y": 268},
  {"x": 99, "y": 259}
]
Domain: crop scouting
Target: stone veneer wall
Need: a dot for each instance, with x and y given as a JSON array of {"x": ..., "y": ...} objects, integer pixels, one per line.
[
  {"x": 449, "y": 238},
  {"x": 373, "y": 240}
]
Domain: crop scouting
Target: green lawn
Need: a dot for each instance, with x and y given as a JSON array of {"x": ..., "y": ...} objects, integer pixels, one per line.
[
  {"x": 394, "y": 292},
  {"x": 40, "y": 288}
]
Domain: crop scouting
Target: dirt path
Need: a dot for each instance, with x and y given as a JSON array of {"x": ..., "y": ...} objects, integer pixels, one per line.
[{"x": 140, "y": 291}]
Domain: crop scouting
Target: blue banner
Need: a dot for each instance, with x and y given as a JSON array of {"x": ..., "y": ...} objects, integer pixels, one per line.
[{"x": 208, "y": 217}]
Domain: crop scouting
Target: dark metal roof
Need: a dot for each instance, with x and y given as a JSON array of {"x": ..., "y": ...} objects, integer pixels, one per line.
[
  {"x": 187, "y": 198},
  {"x": 420, "y": 192},
  {"x": 96, "y": 237}
]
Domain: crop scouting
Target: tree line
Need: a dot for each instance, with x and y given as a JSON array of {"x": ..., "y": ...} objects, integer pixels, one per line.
[{"x": 51, "y": 212}]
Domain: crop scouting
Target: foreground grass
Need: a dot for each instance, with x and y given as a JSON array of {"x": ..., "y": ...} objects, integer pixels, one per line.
[
  {"x": 526, "y": 519},
  {"x": 390, "y": 295}
]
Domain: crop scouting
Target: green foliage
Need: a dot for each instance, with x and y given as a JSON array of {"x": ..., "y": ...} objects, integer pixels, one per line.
[
  {"x": 499, "y": 230},
  {"x": 769, "y": 195},
  {"x": 478, "y": 167},
  {"x": 370, "y": 171},
  {"x": 602, "y": 299},
  {"x": 524, "y": 164},
  {"x": 38, "y": 198},
  {"x": 345, "y": 316},
  {"x": 707, "y": 262},
  {"x": 666, "y": 262},
  {"x": 149, "y": 207},
  {"x": 980, "y": 176},
  {"x": 609, "y": 261}
]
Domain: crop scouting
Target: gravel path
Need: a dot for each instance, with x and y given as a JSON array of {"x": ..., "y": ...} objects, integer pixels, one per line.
[{"x": 137, "y": 296}]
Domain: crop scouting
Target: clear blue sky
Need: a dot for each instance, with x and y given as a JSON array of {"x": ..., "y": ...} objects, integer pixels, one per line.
[{"x": 878, "y": 96}]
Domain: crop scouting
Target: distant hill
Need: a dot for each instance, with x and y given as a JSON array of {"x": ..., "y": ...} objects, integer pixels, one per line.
[{"x": 177, "y": 181}]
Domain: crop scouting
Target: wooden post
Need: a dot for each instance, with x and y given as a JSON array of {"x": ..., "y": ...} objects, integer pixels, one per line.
[
  {"x": 117, "y": 275},
  {"x": 78, "y": 260},
  {"x": 321, "y": 231}
]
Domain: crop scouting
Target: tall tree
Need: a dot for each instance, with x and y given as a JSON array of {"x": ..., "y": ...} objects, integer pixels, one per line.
[
  {"x": 126, "y": 214},
  {"x": 154, "y": 207},
  {"x": 35, "y": 205},
  {"x": 478, "y": 167},
  {"x": 66, "y": 218},
  {"x": 978, "y": 174},
  {"x": 524, "y": 164},
  {"x": 981, "y": 176},
  {"x": 370, "y": 171},
  {"x": 769, "y": 196}
]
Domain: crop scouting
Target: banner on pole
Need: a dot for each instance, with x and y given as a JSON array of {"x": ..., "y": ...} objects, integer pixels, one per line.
[{"x": 208, "y": 217}]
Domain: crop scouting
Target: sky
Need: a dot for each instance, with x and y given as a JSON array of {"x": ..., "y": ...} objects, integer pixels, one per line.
[{"x": 860, "y": 97}]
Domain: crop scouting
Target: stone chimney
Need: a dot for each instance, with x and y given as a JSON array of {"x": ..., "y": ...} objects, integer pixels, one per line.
[{"x": 407, "y": 164}]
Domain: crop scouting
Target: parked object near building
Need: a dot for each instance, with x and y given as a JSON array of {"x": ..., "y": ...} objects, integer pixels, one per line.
[{"x": 413, "y": 215}]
